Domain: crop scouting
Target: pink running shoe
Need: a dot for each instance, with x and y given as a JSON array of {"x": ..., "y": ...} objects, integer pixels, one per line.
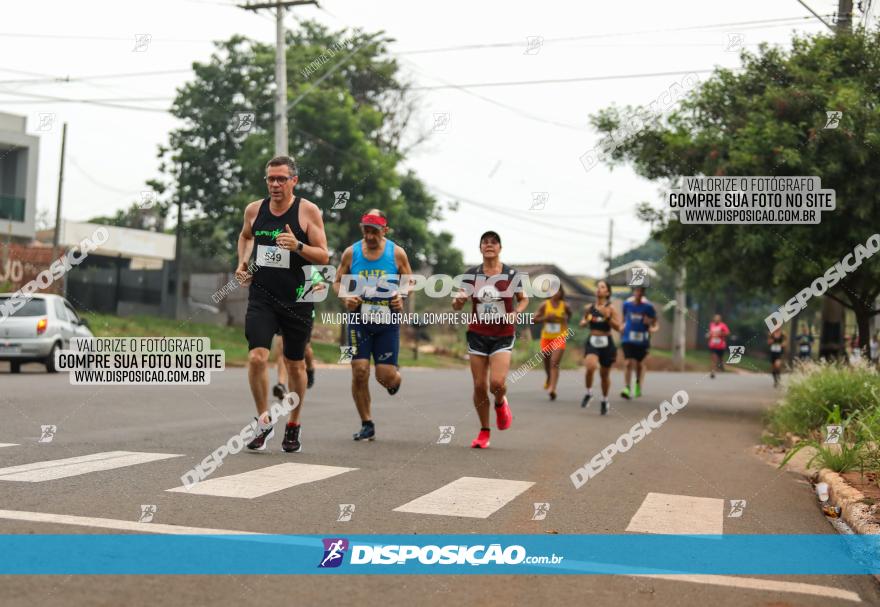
[
  {"x": 482, "y": 441},
  {"x": 503, "y": 417}
]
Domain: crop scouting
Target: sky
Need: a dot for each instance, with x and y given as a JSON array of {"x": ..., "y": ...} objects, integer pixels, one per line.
[{"x": 509, "y": 154}]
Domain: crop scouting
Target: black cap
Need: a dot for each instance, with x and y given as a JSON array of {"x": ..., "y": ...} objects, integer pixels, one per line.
[{"x": 490, "y": 233}]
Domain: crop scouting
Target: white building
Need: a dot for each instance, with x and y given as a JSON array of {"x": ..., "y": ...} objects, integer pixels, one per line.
[{"x": 18, "y": 178}]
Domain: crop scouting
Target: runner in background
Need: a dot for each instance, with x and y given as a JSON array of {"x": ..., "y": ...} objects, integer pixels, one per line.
[
  {"x": 776, "y": 341},
  {"x": 600, "y": 351},
  {"x": 640, "y": 320},
  {"x": 717, "y": 335},
  {"x": 379, "y": 262},
  {"x": 555, "y": 314},
  {"x": 491, "y": 337},
  {"x": 280, "y": 388},
  {"x": 804, "y": 343}
]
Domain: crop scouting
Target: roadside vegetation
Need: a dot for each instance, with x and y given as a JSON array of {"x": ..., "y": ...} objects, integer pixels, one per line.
[{"x": 820, "y": 395}]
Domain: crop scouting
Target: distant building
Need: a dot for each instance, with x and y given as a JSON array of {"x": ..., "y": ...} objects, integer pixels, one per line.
[{"x": 19, "y": 154}]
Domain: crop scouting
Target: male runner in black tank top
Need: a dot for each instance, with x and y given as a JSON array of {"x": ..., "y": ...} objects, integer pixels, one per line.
[{"x": 282, "y": 233}]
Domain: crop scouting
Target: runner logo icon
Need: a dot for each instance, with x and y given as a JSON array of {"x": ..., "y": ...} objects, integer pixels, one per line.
[
  {"x": 446, "y": 433},
  {"x": 346, "y": 511},
  {"x": 736, "y": 353},
  {"x": 833, "y": 119},
  {"x": 541, "y": 510},
  {"x": 832, "y": 436},
  {"x": 314, "y": 289},
  {"x": 638, "y": 276},
  {"x": 148, "y": 511},
  {"x": 340, "y": 199},
  {"x": 737, "y": 507},
  {"x": 47, "y": 433},
  {"x": 334, "y": 552}
]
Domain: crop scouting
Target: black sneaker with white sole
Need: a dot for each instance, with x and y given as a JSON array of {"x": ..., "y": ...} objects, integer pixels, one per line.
[
  {"x": 586, "y": 400},
  {"x": 603, "y": 407},
  {"x": 310, "y": 378},
  {"x": 259, "y": 441},
  {"x": 368, "y": 432},
  {"x": 291, "y": 443}
]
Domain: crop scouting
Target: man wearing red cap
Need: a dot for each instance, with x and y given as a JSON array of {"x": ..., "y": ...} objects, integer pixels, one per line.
[{"x": 377, "y": 263}]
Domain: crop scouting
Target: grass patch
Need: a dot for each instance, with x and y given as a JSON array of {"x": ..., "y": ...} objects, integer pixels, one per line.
[{"x": 814, "y": 389}]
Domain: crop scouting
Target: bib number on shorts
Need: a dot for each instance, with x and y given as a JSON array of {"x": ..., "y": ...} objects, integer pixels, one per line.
[
  {"x": 599, "y": 341},
  {"x": 272, "y": 257},
  {"x": 638, "y": 336},
  {"x": 553, "y": 327},
  {"x": 776, "y": 348},
  {"x": 805, "y": 349},
  {"x": 715, "y": 342},
  {"x": 375, "y": 313}
]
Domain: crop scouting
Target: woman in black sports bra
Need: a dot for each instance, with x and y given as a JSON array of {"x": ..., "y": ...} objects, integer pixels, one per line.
[{"x": 600, "y": 351}]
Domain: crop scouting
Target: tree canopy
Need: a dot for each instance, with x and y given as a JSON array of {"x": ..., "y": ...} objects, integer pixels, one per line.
[
  {"x": 768, "y": 118},
  {"x": 349, "y": 116}
]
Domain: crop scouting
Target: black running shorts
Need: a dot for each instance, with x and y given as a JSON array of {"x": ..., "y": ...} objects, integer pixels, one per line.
[
  {"x": 607, "y": 354},
  {"x": 487, "y": 345},
  {"x": 635, "y": 351},
  {"x": 266, "y": 316}
]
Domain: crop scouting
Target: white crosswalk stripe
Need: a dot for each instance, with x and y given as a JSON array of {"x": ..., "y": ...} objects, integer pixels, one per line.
[
  {"x": 468, "y": 496},
  {"x": 74, "y": 466},
  {"x": 263, "y": 481},
  {"x": 678, "y": 514},
  {"x": 8, "y": 445}
]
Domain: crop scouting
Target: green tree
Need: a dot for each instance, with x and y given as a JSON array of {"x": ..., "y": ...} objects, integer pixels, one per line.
[
  {"x": 768, "y": 118},
  {"x": 348, "y": 115}
]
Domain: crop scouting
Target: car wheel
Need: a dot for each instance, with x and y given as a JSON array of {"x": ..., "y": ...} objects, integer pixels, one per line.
[
  {"x": 14, "y": 366},
  {"x": 50, "y": 360}
]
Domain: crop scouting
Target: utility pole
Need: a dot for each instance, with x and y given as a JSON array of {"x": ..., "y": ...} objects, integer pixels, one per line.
[
  {"x": 178, "y": 246},
  {"x": 831, "y": 338},
  {"x": 281, "y": 137},
  {"x": 844, "y": 16},
  {"x": 57, "y": 236},
  {"x": 610, "y": 238},
  {"x": 679, "y": 321}
]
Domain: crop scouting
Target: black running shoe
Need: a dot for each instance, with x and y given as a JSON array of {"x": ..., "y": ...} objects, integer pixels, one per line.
[
  {"x": 368, "y": 432},
  {"x": 586, "y": 400},
  {"x": 291, "y": 443},
  {"x": 279, "y": 391},
  {"x": 604, "y": 407},
  {"x": 259, "y": 441},
  {"x": 393, "y": 391},
  {"x": 310, "y": 375}
]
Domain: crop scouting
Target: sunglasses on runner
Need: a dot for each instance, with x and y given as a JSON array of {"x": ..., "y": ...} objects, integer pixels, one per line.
[{"x": 282, "y": 180}]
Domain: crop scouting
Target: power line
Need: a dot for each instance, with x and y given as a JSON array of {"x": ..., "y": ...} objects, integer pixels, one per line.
[
  {"x": 562, "y": 80},
  {"x": 505, "y": 213},
  {"x": 465, "y": 47},
  {"x": 85, "y": 101},
  {"x": 50, "y": 79}
]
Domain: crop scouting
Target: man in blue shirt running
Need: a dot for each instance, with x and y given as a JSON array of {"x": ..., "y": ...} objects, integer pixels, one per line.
[
  {"x": 378, "y": 263},
  {"x": 640, "y": 320}
]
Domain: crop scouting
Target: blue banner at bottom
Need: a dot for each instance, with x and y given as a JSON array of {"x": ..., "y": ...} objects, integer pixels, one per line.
[{"x": 438, "y": 554}]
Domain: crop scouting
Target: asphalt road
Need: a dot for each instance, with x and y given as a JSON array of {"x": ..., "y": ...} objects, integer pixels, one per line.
[{"x": 704, "y": 451}]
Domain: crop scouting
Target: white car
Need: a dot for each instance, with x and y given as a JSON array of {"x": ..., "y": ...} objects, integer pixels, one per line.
[{"x": 44, "y": 324}]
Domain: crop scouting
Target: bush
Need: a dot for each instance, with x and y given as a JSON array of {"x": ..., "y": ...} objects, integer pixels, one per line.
[{"x": 815, "y": 389}]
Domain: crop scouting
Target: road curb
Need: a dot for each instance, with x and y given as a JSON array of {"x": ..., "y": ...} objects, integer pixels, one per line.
[{"x": 858, "y": 515}]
